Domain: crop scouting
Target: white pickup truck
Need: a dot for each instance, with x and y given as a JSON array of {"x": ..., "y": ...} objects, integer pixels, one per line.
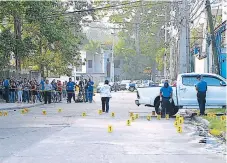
[{"x": 185, "y": 95}]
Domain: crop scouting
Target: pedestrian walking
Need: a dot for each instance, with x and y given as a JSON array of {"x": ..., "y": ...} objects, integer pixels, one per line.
[
  {"x": 105, "y": 96},
  {"x": 47, "y": 92},
  {"x": 166, "y": 93},
  {"x": 201, "y": 88}
]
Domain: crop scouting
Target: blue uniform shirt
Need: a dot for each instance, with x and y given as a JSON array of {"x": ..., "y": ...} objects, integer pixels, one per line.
[
  {"x": 201, "y": 86},
  {"x": 70, "y": 86},
  {"x": 42, "y": 84},
  {"x": 166, "y": 91},
  {"x": 90, "y": 85},
  {"x": 6, "y": 83}
]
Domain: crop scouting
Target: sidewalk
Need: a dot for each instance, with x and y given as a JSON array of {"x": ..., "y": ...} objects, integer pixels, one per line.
[{"x": 11, "y": 106}]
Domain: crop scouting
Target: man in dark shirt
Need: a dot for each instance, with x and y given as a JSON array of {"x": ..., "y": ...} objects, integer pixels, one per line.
[
  {"x": 201, "y": 88},
  {"x": 166, "y": 98}
]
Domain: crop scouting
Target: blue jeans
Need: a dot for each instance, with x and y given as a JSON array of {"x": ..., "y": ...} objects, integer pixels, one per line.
[
  {"x": 86, "y": 95},
  {"x": 26, "y": 96},
  {"x": 12, "y": 96},
  {"x": 105, "y": 103},
  {"x": 90, "y": 95}
]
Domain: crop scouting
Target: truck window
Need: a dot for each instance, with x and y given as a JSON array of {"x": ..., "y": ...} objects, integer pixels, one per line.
[
  {"x": 211, "y": 81},
  {"x": 189, "y": 80}
]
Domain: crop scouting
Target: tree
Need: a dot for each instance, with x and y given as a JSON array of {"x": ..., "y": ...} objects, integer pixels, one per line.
[
  {"x": 44, "y": 35},
  {"x": 140, "y": 27}
]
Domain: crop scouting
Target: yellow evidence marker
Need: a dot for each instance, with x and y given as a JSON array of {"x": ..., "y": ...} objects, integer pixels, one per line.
[
  {"x": 128, "y": 122},
  {"x": 113, "y": 114},
  {"x": 110, "y": 129},
  {"x": 223, "y": 118},
  {"x": 23, "y": 111},
  {"x": 5, "y": 113},
  {"x": 158, "y": 116},
  {"x": 148, "y": 118},
  {"x": 137, "y": 116},
  {"x": 181, "y": 120},
  {"x": 214, "y": 116},
  {"x": 176, "y": 123},
  {"x": 167, "y": 116},
  {"x": 177, "y": 117},
  {"x": 0, "y": 113},
  {"x": 59, "y": 110},
  {"x": 179, "y": 129},
  {"x": 131, "y": 114},
  {"x": 44, "y": 112},
  {"x": 100, "y": 111},
  {"x": 133, "y": 118},
  {"x": 83, "y": 114}
]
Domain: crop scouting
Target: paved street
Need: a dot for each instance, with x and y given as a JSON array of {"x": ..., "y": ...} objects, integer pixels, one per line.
[{"x": 67, "y": 137}]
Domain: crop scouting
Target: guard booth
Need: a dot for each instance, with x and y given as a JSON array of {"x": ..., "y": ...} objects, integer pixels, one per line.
[{"x": 221, "y": 44}]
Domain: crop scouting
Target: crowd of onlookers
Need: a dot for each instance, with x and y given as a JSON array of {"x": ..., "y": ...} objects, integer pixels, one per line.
[{"x": 28, "y": 91}]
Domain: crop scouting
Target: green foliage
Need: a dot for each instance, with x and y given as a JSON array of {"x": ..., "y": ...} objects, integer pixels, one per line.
[
  {"x": 127, "y": 16},
  {"x": 48, "y": 40}
]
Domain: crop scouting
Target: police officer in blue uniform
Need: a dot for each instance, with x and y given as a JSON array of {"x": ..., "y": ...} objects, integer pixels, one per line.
[
  {"x": 70, "y": 90},
  {"x": 90, "y": 90},
  {"x": 201, "y": 88},
  {"x": 166, "y": 98}
]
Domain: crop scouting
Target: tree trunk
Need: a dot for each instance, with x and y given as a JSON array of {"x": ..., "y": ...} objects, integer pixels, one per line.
[{"x": 17, "y": 33}]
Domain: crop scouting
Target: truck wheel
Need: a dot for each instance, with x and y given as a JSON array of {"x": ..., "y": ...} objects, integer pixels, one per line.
[
  {"x": 174, "y": 108},
  {"x": 131, "y": 89}
]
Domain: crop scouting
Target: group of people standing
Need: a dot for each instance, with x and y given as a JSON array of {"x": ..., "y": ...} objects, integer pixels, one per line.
[{"x": 21, "y": 90}]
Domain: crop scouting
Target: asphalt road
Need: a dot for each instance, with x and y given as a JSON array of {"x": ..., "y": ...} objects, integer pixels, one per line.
[{"x": 67, "y": 137}]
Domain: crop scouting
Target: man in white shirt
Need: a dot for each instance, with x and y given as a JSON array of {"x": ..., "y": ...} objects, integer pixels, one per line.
[
  {"x": 105, "y": 96},
  {"x": 47, "y": 92}
]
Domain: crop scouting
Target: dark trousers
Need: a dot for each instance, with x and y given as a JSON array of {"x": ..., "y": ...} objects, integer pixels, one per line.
[
  {"x": 47, "y": 97},
  {"x": 7, "y": 94},
  {"x": 165, "y": 106},
  {"x": 105, "y": 104},
  {"x": 70, "y": 95},
  {"x": 90, "y": 95},
  {"x": 201, "y": 97}
]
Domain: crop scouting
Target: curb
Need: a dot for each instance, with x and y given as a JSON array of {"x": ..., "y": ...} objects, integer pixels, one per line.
[
  {"x": 20, "y": 107},
  {"x": 206, "y": 124}
]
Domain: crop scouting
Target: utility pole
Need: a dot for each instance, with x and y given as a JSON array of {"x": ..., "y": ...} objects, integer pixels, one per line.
[
  {"x": 171, "y": 56},
  {"x": 165, "y": 58},
  {"x": 214, "y": 49},
  {"x": 112, "y": 59}
]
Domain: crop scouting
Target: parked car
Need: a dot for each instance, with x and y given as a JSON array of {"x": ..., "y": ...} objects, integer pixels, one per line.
[
  {"x": 125, "y": 84},
  {"x": 99, "y": 87},
  {"x": 115, "y": 87},
  {"x": 185, "y": 95}
]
